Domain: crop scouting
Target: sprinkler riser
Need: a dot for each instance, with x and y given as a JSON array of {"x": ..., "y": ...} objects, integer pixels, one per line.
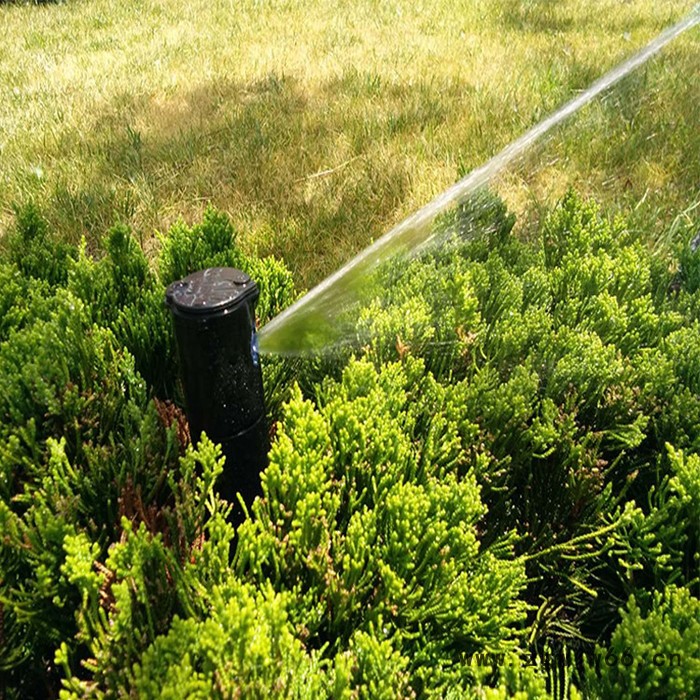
[{"x": 214, "y": 321}]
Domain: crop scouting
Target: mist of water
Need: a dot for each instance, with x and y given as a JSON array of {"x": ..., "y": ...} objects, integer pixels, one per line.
[{"x": 323, "y": 319}]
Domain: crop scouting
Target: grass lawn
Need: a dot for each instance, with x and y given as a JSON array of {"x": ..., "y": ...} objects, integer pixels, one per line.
[{"x": 317, "y": 125}]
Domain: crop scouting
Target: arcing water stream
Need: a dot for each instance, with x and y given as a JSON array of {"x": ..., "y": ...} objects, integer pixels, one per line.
[{"x": 311, "y": 325}]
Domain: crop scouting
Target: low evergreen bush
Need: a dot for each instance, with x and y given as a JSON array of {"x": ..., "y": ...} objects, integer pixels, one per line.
[
  {"x": 653, "y": 655},
  {"x": 500, "y": 488}
]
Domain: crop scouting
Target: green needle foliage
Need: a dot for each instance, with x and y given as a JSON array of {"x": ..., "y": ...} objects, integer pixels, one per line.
[
  {"x": 657, "y": 654},
  {"x": 372, "y": 529},
  {"x": 497, "y": 496}
]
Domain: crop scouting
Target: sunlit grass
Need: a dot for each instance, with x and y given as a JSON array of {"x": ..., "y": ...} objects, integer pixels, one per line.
[{"x": 315, "y": 124}]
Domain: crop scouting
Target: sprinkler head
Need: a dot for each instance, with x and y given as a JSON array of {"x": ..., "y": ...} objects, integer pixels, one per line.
[{"x": 214, "y": 319}]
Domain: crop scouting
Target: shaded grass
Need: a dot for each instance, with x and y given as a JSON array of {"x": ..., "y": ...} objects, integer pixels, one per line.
[{"x": 315, "y": 126}]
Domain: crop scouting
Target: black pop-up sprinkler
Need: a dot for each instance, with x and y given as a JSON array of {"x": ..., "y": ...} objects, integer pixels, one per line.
[{"x": 214, "y": 318}]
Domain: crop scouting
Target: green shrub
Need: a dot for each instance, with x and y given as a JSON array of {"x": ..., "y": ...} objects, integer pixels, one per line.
[
  {"x": 654, "y": 654},
  {"x": 123, "y": 294},
  {"x": 209, "y": 244},
  {"x": 572, "y": 365},
  {"x": 83, "y": 453},
  {"x": 166, "y": 564},
  {"x": 366, "y": 523},
  {"x": 244, "y": 647},
  {"x": 213, "y": 244},
  {"x": 34, "y": 251},
  {"x": 513, "y": 681},
  {"x": 22, "y": 299},
  {"x": 491, "y": 477},
  {"x": 63, "y": 377}
]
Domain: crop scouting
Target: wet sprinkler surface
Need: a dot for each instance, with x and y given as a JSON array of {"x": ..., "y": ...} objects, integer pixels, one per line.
[
  {"x": 211, "y": 290},
  {"x": 214, "y": 318}
]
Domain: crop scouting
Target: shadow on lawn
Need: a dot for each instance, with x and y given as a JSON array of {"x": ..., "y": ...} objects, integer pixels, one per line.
[{"x": 313, "y": 174}]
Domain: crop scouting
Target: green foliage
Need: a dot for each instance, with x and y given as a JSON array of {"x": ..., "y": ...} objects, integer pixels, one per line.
[
  {"x": 87, "y": 461},
  {"x": 511, "y": 457},
  {"x": 244, "y": 647},
  {"x": 34, "y": 251},
  {"x": 212, "y": 243},
  {"x": 659, "y": 545},
  {"x": 165, "y": 565},
  {"x": 370, "y": 528},
  {"x": 63, "y": 377},
  {"x": 514, "y": 681},
  {"x": 123, "y": 295},
  {"x": 655, "y": 654},
  {"x": 22, "y": 299},
  {"x": 209, "y": 244},
  {"x": 688, "y": 252},
  {"x": 573, "y": 364}
]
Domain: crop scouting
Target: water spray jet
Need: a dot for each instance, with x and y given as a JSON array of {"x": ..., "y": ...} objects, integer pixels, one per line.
[
  {"x": 214, "y": 319},
  {"x": 311, "y": 325}
]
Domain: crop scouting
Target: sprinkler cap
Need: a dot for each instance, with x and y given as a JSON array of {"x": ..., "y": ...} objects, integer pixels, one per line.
[{"x": 211, "y": 291}]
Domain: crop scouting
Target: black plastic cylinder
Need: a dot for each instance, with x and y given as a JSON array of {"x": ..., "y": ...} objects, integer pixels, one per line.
[{"x": 214, "y": 319}]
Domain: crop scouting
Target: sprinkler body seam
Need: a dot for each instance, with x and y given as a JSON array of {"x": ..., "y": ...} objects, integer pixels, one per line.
[{"x": 213, "y": 313}]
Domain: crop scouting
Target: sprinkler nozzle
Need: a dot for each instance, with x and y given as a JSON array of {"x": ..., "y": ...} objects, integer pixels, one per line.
[{"x": 214, "y": 319}]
